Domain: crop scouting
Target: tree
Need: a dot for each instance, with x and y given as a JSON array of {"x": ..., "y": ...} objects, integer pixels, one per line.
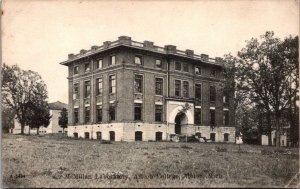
[
  {"x": 266, "y": 69},
  {"x": 39, "y": 115},
  {"x": 7, "y": 119},
  {"x": 63, "y": 119},
  {"x": 21, "y": 89}
]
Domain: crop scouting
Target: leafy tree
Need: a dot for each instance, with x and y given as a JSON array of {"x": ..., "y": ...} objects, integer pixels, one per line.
[
  {"x": 20, "y": 90},
  {"x": 7, "y": 119},
  {"x": 39, "y": 115},
  {"x": 266, "y": 71},
  {"x": 63, "y": 119}
]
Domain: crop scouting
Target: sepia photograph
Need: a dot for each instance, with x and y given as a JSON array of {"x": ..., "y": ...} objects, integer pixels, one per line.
[{"x": 143, "y": 94}]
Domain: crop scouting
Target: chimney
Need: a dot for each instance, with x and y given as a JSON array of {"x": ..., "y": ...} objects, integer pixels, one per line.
[
  {"x": 125, "y": 40},
  {"x": 148, "y": 44},
  {"x": 189, "y": 52},
  {"x": 106, "y": 44},
  {"x": 83, "y": 51},
  {"x": 170, "y": 48},
  {"x": 71, "y": 55},
  {"x": 204, "y": 57},
  {"x": 94, "y": 47}
]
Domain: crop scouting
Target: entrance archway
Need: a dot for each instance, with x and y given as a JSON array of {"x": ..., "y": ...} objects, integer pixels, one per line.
[{"x": 180, "y": 120}]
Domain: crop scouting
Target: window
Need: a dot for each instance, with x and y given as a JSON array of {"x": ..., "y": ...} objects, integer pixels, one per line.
[
  {"x": 138, "y": 84},
  {"x": 158, "y": 63},
  {"x": 177, "y": 66},
  {"x": 87, "y": 67},
  {"x": 213, "y": 137},
  {"x": 198, "y": 91},
  {"x": 99, "y": 64},
  {"x": 212, "y": 93},
  {"x": 75, "y": 135},
  {"x": 87, "y": 89},
  {"x": 76, "y": 116},
  {"x": 76, "y": 91},
  {"x": 158, "y": 136},
  {"x": 186, "y": 89},
  {"x": 99, "y": 114},
  {"x": 112, "y": 84},
  {"x": 137, "y": 112},
  {"x": 138, "y": 60},
  {"x": 87, "y": 114},
  {"x": 99, "y": 135},
  {"x": 99, "y": 86},
  {"x": 198, "y": 134},
  {"x": 226, "y": 118},
  {"x": 212, "y": 117},
  {"x": 112, "y": 112},
  {"x": 197, "y": 116},
  {"x": 158, "y": 86},
  {"x": 158, "y": 112},
  {"x": 185, "y": 67},
  {"x": 213, "y": 73},
  {"x": 76, "y": 70},
  {"x": 86, "y": 135},
  {"x": 197, "y": 71},
  {"x": 112, "y": 60},
  {"x": 177, "y": 87},
  {"x": 226, "y": 97},
  {"x": 138, "y": 136},
  {"x": 226, "y": 137},
  {"x": 112, "y": 135}
]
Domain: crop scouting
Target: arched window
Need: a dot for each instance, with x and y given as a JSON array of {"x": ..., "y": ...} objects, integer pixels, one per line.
[
  {"x": 99, "y": 135},
  {"x": 75, "y": 135},
  {"x": 226, "y": 137},
  {"x": 138, "y": 136},
  {"x": 86, "y": 135},
  {"x": 112, "y": 135},
  {"x": 158, "y": 136},
  {"x": 213, "y": 137}
]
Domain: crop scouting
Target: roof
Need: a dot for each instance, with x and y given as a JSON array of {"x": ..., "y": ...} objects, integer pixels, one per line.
[
  {"x": 146, "y": 45},
  {"x": 57, "y": 105}
]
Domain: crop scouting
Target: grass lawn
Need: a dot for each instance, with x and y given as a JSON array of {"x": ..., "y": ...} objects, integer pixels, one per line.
[{"x": 53, "y": 161}]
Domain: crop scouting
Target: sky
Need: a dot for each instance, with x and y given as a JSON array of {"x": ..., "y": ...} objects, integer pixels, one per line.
[{"x": 38, "y": 35}]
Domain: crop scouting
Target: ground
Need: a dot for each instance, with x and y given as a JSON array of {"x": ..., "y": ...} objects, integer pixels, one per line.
[{"x": 55, "y": 161}]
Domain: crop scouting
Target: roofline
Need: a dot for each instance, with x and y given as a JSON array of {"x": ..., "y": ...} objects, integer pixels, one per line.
[{"x": 147, "y": 46}]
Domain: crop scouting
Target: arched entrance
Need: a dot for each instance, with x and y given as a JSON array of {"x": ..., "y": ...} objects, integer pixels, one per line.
[{"x": 180, "y": 120}]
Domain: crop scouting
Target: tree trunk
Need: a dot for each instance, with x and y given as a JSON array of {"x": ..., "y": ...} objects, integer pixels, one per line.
[
  {"x": 22, "y": 128},
  {"x": 277, "y": 118},
  {"x": 37, "y": 131},
  {"x": 63, "y": 131},
  {"x": 269, "y": 128},
  {"x": 29, "y": 130}
]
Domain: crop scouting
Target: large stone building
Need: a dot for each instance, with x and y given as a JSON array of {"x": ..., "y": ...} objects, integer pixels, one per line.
[{"x": 127, "y": 90}]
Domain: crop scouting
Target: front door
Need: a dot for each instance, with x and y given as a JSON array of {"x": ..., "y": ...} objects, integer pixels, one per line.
[{"x": 178, "y": 119}]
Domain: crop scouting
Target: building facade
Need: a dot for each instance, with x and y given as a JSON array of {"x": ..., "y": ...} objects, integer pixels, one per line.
[
  {"x": 53, "y": 127},
  {"x": 129, "y": 91}
]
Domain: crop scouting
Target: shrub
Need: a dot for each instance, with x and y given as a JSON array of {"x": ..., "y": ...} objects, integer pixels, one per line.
[
  {"x": 105, "y": 142},
  {"x": 221, "y": 149}
]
